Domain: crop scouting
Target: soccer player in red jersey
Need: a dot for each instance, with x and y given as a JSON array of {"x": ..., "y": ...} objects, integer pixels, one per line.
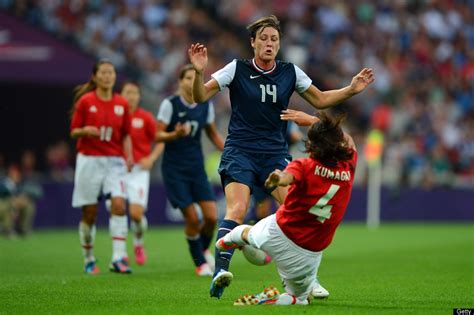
[
  {"x": 142, "y": 132},
  {"x": 101, "y": 125},
  {"x": 304, "y": 225}
]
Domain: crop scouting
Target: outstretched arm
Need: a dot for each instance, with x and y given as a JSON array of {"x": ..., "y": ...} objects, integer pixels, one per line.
[
  {"x": 198, "y": 57},
  {"x": 299, "y": 117},
  {"x": 326, "y": 99},
  {"x": 278, "y": 178}
]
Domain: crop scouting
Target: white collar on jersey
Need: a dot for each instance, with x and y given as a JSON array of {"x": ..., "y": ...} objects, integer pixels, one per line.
[
  {"x": 186, "y": 103},
  {"x": 261, "y": 70}
]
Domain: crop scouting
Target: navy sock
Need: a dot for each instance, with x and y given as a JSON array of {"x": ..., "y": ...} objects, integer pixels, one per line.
[
  {"x": 223, "y": 257},
  {"x": 195, "y": 247},
  {"x": 205, "y": 240}
]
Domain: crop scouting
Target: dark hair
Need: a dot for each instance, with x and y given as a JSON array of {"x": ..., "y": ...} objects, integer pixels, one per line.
[
  {"x": 89, "y": 85},
  {"x": 261, "y": 23},
  {"x": 129, "y": 83},
  {"x": 326, "y": 141},
  {"x": 184, "y": 69}
]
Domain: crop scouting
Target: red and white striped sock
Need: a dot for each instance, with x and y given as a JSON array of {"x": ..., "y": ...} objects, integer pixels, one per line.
[
  {"x": 118, "y": 230},
  {"x": 87, "y": 237}
]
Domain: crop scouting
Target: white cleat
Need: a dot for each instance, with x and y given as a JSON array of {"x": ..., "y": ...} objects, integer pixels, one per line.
[
  {"x": 204, "y": 270},
  {"x": 209, "y": 259},
  {"x": 288, "y": 299},
  {"x": 319, "y": 292}
]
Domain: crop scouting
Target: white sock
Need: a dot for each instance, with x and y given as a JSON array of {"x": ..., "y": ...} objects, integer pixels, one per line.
[
  {"x": 138, "y": 230},
  {"x": 87, "y": 237},
  {"x": 118, "y": 230},
  {"x": 235, "y": 236}
]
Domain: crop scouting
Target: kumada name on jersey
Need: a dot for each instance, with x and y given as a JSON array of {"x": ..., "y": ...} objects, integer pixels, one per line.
[{"x": 327, "y": 173}]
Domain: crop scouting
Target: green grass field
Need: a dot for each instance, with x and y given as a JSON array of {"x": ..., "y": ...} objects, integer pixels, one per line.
[{"x": 398, "y": 269}]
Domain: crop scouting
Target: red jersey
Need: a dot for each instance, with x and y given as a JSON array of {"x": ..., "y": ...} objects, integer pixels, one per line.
[
  {"x": 111, "y": 117},
  {"x": 316, "y": 201},
  {"x": 142, "y": 132}
]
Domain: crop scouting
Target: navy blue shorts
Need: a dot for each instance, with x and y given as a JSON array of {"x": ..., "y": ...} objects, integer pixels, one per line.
[
  {"x": 184, "y": 189},
  {"x": 250, "y": 169}
]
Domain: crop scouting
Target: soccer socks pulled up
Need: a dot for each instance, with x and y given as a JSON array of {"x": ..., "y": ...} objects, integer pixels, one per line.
[
  {"x": 196, "y": 250},
  {"x": 118, "y": 230},
  {"x": 223, "y": 257},
  {"x": 138, "y": 229},
  {"x": 205, "y": 240},
  {"x": 87, "y": 237}
]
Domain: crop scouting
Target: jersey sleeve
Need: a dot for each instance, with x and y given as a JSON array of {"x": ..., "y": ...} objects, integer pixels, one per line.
[
  {"x": 211, "y": 115},
  {"x": 303, "y": 82},
  {"x": 78, "y": 117},
  {"x": 165, "y": 112},
  {"x": 295, "y": 168},
  {"x": 225, "y": 75}
]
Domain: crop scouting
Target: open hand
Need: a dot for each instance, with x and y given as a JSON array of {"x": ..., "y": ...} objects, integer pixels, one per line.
[
  {"x": 362, "y": 80},
  {"x": 273, "y": 179},
  {"x": 198, "y": 56}
]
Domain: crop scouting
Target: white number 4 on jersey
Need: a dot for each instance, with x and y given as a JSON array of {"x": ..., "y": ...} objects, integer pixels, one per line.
[{"x": 321, "y": 209}]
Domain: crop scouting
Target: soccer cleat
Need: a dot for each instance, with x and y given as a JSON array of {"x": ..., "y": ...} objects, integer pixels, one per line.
[
  {"x": 269, "y": 295},
  {"x": 222, "y": 245},
  {"x": 288, "y": 299},
  {"x": 319, "y": 292},
  {"x": 91, "y": 268},
  {"x": 120, "y": 266},
  {"x": 210, "y": 259},
  {"x": 220, "y": 282},
  {"x": 140, "y": 255},
  {"x": 204, "y": 270}
]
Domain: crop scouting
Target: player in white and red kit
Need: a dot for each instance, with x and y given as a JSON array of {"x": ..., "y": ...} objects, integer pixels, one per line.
[
  {"x": 142, "y": 132},
  {"x": 305, "y": 223},
  {"x": 101, "y": 124}
]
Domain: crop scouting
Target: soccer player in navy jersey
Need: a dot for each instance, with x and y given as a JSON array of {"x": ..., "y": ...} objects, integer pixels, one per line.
[
  {"x": 260, "y": 90},
  {"x": 180, "y": 123}
]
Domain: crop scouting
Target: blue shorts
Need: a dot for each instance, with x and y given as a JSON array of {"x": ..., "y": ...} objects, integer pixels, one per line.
[
  {"x": 249, "y": 168},
  {"x": 183, "y": 190}
]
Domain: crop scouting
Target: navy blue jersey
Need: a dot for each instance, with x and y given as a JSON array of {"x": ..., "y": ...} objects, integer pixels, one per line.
[
  {"x": 257, "y": 98},
  {"x": 186, "y": 153}
]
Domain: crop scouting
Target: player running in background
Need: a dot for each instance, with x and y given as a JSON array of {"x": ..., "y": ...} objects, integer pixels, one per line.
[
  {"x": 101, "y": 125},
  {"x": 320, "y": 189},
  {"x": 260, "y": 90},
  {"x": 180, "y": 122},
  {"x": 137, "y": 181}
]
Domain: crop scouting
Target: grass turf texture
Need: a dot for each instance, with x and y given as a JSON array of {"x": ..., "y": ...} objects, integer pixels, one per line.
[{"x": 398, "y": 269}]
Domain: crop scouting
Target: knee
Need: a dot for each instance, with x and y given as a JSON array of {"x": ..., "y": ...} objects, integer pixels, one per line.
[
  {"x": 89, "y": 215},
  {"x": 236, "y": 212},
  {"x": 118, "y": 206}
]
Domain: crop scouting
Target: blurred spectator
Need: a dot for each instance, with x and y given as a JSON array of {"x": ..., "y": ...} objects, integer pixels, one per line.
[
  {"x": 422, "y": 53},
  {"x": 8, "y": 187},
  {"x": 58, "y": 158},
  {"x": 19, "y": 191}
]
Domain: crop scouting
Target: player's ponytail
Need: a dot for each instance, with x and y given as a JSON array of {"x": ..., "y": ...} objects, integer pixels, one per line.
[{"x": 326, "y": 141}]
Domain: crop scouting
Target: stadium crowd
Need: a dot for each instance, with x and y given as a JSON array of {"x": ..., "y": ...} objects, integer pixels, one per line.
[{"x": 421, "y": 51}]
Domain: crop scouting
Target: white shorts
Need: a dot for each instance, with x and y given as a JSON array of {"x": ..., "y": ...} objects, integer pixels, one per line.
[
  {"x": 297, "y": 266},
  {"x": 96, "y": 174},
  {"x": 137, "y": 184}
]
